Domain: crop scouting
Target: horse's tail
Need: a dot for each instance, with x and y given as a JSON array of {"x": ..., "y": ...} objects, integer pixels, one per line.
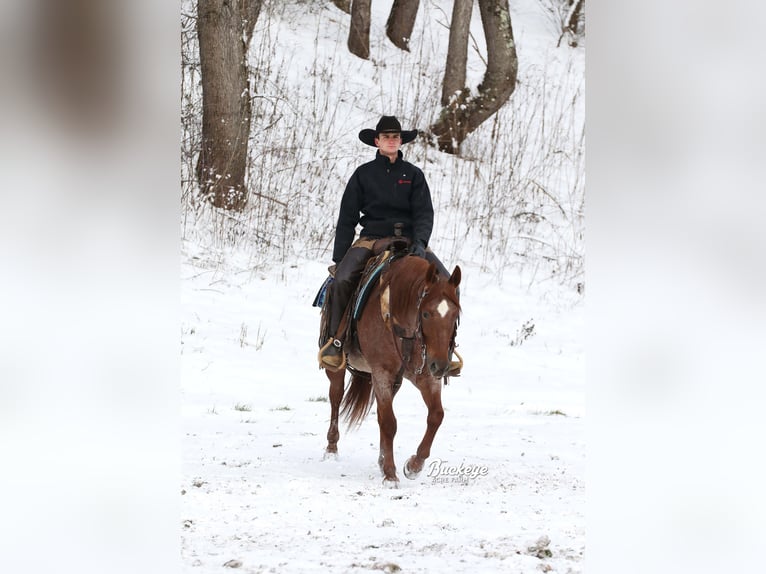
[{"x": 357, "y": 401}]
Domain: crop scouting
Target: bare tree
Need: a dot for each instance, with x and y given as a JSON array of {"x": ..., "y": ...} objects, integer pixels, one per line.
[
  {"x": 359, "y": 32},
  {"x": 575, "y": 11},
  {"x": 401, "y": 21},
  {"x": 572, "y": 21},
  {"x": 457, "y": 52},
  {"x": 344, "y": 5},
  {"x": 224, "y": 29},
  {"x": 466, "y": 112}
]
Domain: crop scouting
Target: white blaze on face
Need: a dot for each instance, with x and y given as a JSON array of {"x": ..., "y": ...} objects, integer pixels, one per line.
[{"x": 443, "y": 308}]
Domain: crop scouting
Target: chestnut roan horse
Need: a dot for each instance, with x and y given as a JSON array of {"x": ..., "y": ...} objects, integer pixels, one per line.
[{"x": 406, "y": 329}]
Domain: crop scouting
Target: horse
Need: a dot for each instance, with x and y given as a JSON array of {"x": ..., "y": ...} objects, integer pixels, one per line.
[{"x": 406, "y": 330}]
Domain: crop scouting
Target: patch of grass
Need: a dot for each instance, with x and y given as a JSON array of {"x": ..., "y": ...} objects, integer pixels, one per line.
[
  {"x": 212, "y": 411},
  {"x": 260, "y": 337},
  {"x": 284, "y": 408},
  {"x": 555, "y": 412},
  {"x": 242, "y": 408},
  {"x": 320, "y": 399},
  {"x": 526, "y": 331}
]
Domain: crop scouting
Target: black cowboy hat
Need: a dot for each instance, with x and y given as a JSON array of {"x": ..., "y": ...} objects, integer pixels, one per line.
[{"x": 387, "y": 124}]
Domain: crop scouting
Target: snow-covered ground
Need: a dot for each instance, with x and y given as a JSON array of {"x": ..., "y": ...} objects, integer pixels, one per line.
[{"x": 256, "y": 488}]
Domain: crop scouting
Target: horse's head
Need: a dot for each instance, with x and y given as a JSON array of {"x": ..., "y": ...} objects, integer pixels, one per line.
[{"x": 439, "y": 313}]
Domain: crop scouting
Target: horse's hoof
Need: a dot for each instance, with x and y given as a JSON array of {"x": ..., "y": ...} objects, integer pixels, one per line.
[
  {"x": 390, "y": 483},
  {"x": 409, "y": 472},
  {"x": 329, "y": 455}
]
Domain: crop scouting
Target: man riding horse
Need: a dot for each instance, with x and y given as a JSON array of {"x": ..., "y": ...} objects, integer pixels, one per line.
[{"x": 380, "y": 194}]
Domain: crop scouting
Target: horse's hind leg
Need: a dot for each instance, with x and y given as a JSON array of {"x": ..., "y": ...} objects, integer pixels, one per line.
[
  {"x": 336, "y": 395},
  {"x": 432, "y": 395}
]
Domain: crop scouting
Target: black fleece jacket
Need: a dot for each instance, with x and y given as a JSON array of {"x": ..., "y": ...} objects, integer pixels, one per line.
[{"x": 380, "y": 194}]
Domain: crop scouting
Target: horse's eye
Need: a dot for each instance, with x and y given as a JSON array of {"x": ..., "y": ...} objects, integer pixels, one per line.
[{"x": 426, "y": 314}]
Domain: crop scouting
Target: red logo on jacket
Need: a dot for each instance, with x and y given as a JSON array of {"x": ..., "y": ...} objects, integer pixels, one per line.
[{"x": 405, "y": 181}]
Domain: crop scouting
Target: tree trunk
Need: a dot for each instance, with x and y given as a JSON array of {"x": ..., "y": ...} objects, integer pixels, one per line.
[
  {"x": 359, "y": 32},
  {"x": 457, "y": 52},
  {"x": 401, "y": 21},
  {"x": 575, "y": 9},
  {"x": 344, "y": 5},
  {"x": 224, "y": 28},
  {"x": 466, "y": 113},
  {"x": 250, "y": 10}
]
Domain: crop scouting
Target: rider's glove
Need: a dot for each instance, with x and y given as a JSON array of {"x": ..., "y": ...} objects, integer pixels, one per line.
[{"x": 418, "y": 248}]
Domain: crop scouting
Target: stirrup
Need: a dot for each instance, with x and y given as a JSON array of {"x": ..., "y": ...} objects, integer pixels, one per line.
[{"x": 331, "y": 355}]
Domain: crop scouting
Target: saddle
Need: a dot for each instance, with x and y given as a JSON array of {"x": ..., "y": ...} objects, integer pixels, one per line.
[{"x": 385, "y": 251}]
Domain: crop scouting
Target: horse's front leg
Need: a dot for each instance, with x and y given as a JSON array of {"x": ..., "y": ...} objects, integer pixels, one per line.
[
  {"x": 336, "y": 395},
  {"x": 381, "y": 454},
  {"x": 396, "y": 387},
  {"x": 387, "y": 423},
  {"x": 432, "y": 395}
]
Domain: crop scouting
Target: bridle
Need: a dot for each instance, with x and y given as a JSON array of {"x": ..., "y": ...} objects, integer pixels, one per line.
[{"x": 407, "y": 341}]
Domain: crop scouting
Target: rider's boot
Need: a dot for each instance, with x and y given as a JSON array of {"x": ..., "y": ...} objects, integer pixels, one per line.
[
  {"x": 331, "y": 355},
  {"x": 347, "y": 274}
]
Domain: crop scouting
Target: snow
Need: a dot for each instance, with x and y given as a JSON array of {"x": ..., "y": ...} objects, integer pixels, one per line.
[
  {"x": 256, "y": 487},
  {"x": 504, "y": 488}
]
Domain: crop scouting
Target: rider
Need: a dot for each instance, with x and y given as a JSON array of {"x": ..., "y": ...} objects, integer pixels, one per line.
[{"x": 380, "y": 193}]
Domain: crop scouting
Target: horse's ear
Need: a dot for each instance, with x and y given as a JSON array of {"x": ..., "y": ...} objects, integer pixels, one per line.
[
  {"x": 455, "y": 277},
  {"x": 431, "y": 273}
]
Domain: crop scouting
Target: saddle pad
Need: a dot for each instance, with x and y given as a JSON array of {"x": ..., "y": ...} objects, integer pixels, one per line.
[
  {"x": 319, "y": 299},
  {"x": 374, "y": 270}
]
